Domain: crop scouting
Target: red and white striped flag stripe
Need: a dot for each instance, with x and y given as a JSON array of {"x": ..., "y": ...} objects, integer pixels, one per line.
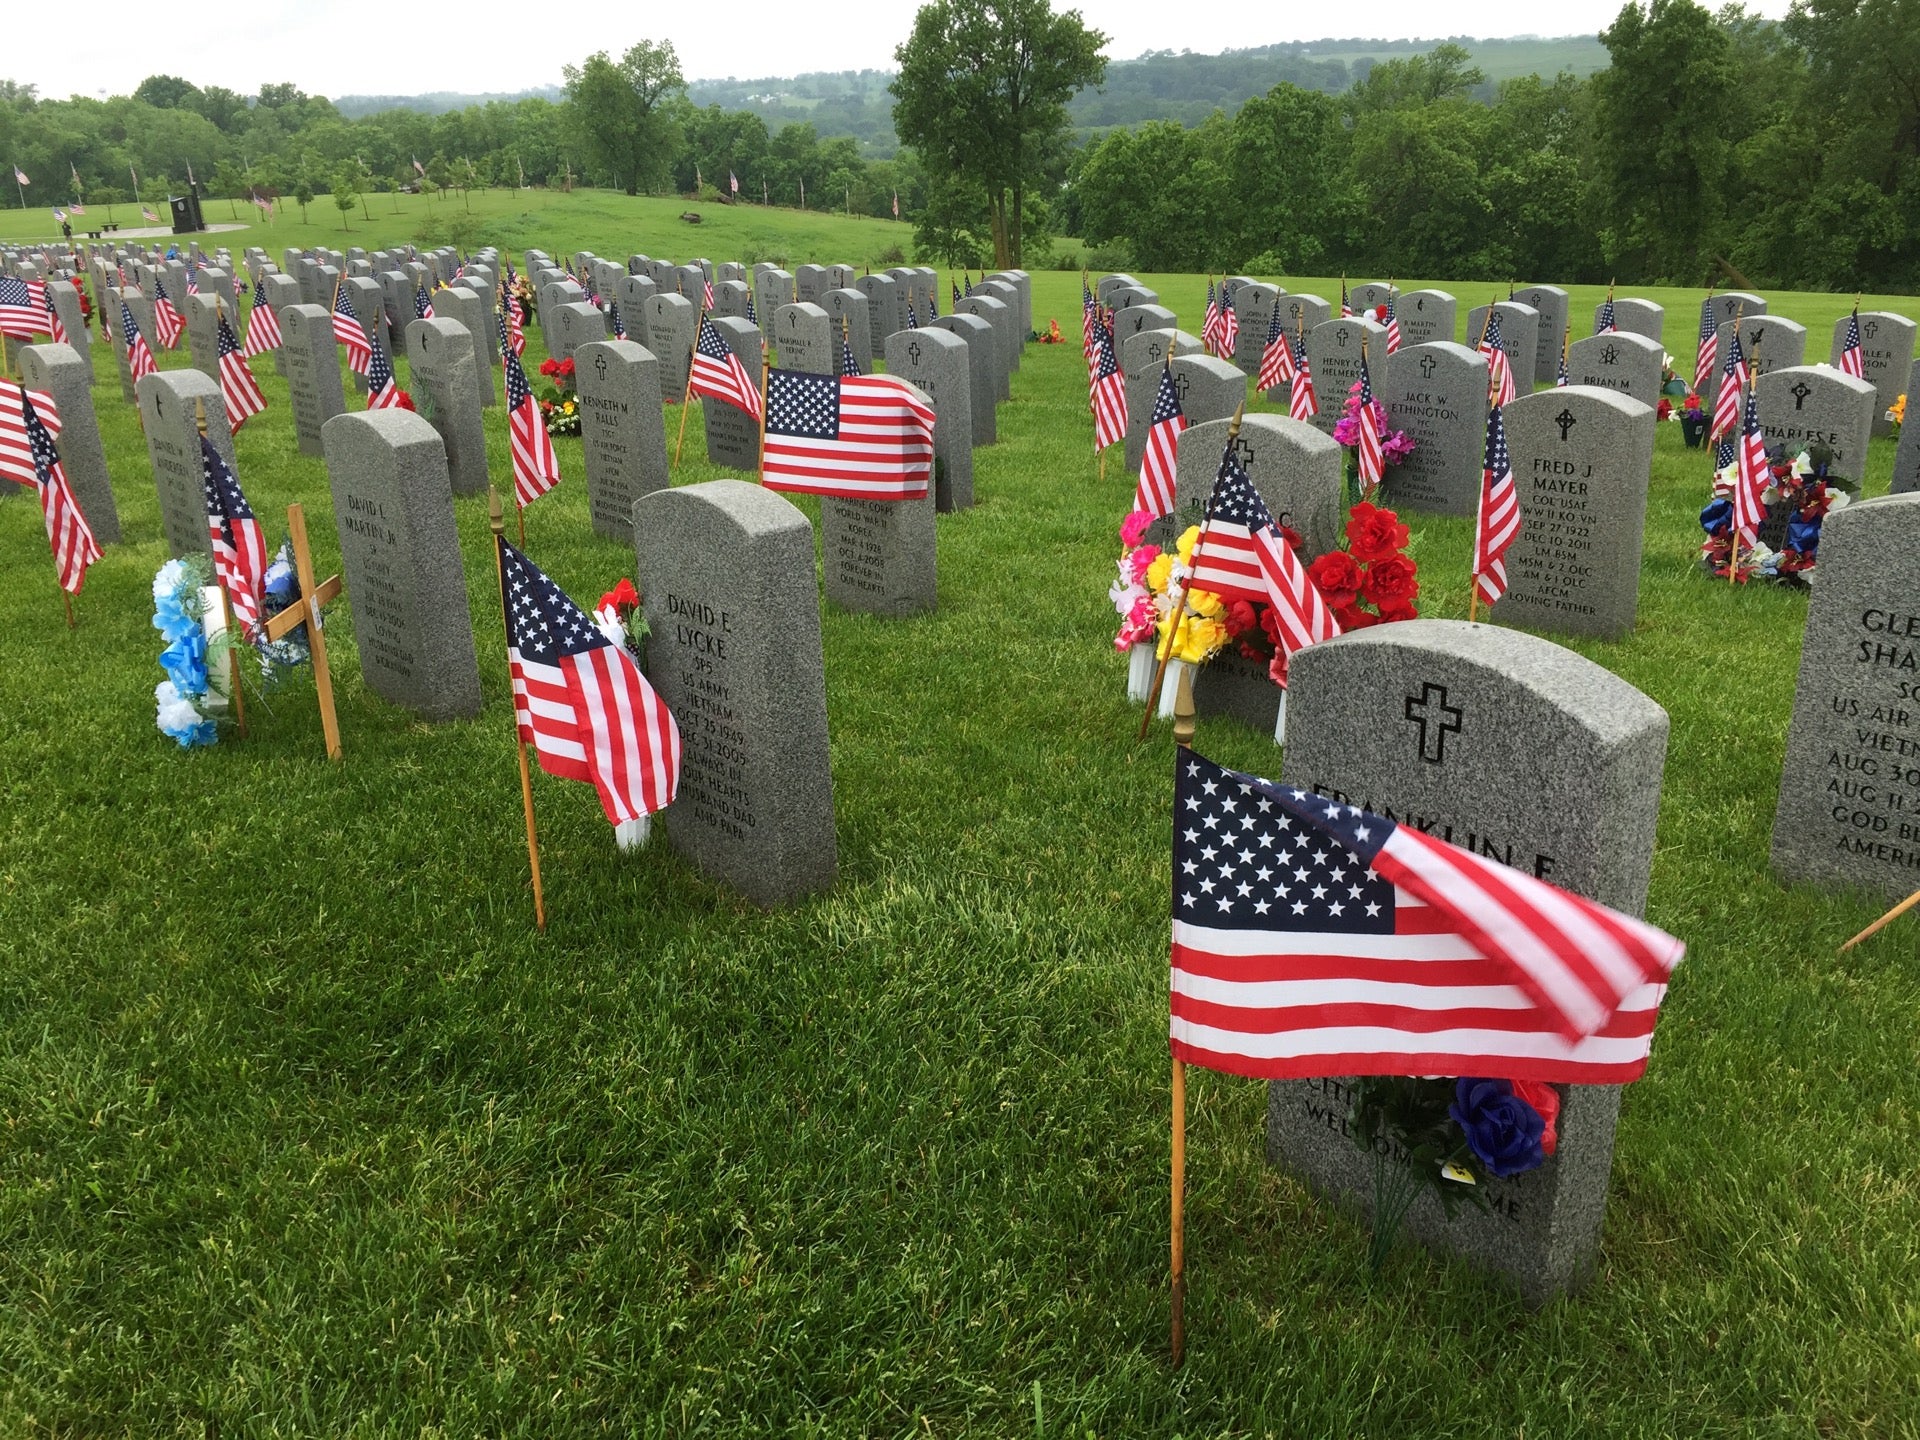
[
  {"x": 1853, "y": 355},
  {"x": 1159, "y": 462},
  {"x": 856, "y": 437},
  {"x": 68, "y": 533},
  {"x": 16, "y": 453},
  {"x": 1302, "y": 403},
  {"x": 1109, "y": 393},
  {"x": 237, "y": 385},
  {"x": 536, "y": 469},
  {"x": 55, "y": 328},
  {"x": 1751, "y": 478},
  {"x": 1302, "y": 611},
  {"x": 263, "y": 326},
  {"x": 1499, "y": 514},
  {"x": 139, "y": 355},
  {"x": 1734, "y": 375},
  {"x": 348, "y": 330}
]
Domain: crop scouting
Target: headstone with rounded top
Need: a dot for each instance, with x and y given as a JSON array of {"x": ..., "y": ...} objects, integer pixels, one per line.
[
  {"x": 805, "y": 339},
  {"x": 201, "y": 312},
  {"x": 313, "y": 372},
  {"x": 733, "y": 436},
  {"x": 279, "y": 291},
  {"x": 1770, "y": 342},
  {"x": 1582, "y": 460},
  {"x": 670, "y": 336},
  {"x": 771, "y": 290},
  {"x": 1524, "y": 752},
  {"x": 63, "y": 373},
  {"x": 730, "y": 298},
  {"x": 1333, "y": 355},
  {"x": 440, "y": 361},
  {"x": 886, "y": 308},
  {"x": 1437, "y": 394},
  {"x": 622, "y": 432},
  {"x": 580, "y": 323},
  {"x": 1298, "y": 309},
  {"x": 936, "y": 361},
  {"x": 1804, "y": 406},
  {"x": 1849, "y": 808},
  {"x": 727, "y": 574},
  {"x": 1142, "y": 358},
  {"x": 1008, "y": 295},
  {"x": 1253, "y": 304},
  {"x": 1906, "y": 455},
  {"x": 1724, "y": 306},
  {"x": 1622, "y": 361},
  {"x": 1369, "y": 296},
  {"x": 1104, "y": 287},
  {"x": 1519, "y": 336},
  {"x": 847, "y": 310},
  {"x": 983, "y": 368},
  {"x": 400, "y": 556},
  {"x": 171, "y": 404},
  {"x": 1136, "y": 318},
  {"x": 1886, "y": 350},
  {"x": 482, "y": 322},
  {"x": 807, "y": 286},
  {"x": 1552, "y": 304},
  {"x": 994, "y": 310}
]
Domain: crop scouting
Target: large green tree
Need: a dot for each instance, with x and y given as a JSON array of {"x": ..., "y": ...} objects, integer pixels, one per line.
[
  {"x": 620, "y": 110},
  {"x": 982, "y": 96}
]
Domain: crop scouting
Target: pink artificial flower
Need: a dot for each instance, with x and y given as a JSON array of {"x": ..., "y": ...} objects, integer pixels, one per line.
[
  {"x": 1138, "y": 563},
  {"x": 1134, "y": 527},
  {"x": 1397, "y": 446},
  {"x": 1346, "y": 430}
]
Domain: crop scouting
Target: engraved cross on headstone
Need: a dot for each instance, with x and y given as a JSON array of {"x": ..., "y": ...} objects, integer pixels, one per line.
[
  {"x": 1800, "y": 391},
  {"x": 1566, "y": 421},
  {"x": 1341, "y": 336},
  {"x": 1427, "y": 366},
  {"x": 1430, "y": 709}
]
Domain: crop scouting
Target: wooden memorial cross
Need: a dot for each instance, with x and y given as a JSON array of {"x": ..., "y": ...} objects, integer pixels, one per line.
[{"x": 306, "y": 611}]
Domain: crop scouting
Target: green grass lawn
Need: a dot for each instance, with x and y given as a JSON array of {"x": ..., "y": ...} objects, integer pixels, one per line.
[{"x": 305, "y": 1132}]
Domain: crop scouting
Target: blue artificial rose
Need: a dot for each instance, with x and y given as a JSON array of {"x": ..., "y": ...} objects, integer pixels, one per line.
[
  {"x": 1804, "y": 536},
  {"x": 185, "y": 662},
  {"x": 171, "y": 619},
  {"x": 1502, "y": 1130},
  {"x": 1717, "y": 516}
]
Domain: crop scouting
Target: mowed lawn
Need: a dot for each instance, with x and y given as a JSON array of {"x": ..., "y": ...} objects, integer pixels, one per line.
[{"x": 304, "y": 1131}]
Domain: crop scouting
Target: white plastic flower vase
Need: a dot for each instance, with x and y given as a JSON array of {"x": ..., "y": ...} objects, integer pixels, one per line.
[
  {"x": 1280, "y": 720},
  {"x": 631, "y": 834},
  {"x": 213, "y": 622},
  {"x": 1170, "y": 687},
  {"x": 1139, "y": 672}
]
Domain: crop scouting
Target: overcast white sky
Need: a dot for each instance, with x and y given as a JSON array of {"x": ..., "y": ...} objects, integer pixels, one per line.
[{"x": 347, "y": 47}]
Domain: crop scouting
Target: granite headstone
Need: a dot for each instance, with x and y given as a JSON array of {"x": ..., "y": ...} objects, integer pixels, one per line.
[
  {"x": 171, "y": 405},
  {"x": 936, "y": 361},
  {"x": 622, "y": 431},
  {"x": 1437, "y": 394},
  {"x": 313, "y": 372},
  {"x": 63, "y": 373},
  {"x": 1806, "y": 405},
  {"x": 440, "y": 361}
]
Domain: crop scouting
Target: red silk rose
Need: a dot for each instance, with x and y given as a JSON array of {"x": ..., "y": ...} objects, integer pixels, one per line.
[
  {"x": 1240, "y": 618},
  {"x": 1392, "y": 581},
  {"x": 1337, "y": 576},
  {"x": 1352, "y": 617},
  {"x": 1373, "y": 533},
  {"x": 1546, "y": 1100},
  {"x": 623, "y": 599}
]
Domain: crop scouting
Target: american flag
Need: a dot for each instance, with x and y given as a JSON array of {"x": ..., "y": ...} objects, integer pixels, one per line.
[
  {"x": 912, "y": 323},
  {"x": 933, "y": 299},
  {"x": 263, "y": 326},
  {"x": 239, "y": 547},
  {"x": 422, "y": 305},
  {"x": 1312, "y": 938},
  {"x": 1302, "y": 404},
  {"x": 237, "y": 385},
  {"x": 1604, "y": 323},
  {"x": 1733, "y": 380},
  {"x": 1242, "y": 554},
  {"x": 1709, "y": 351},
  {"x": 536, "y": 469},
  {"x": 55, "y": 328},
  {"x": 1393, "y": 326},
  {"x": 22, "y": 307},
  {"x": 1373, "y": 460},
  {"x": 618, "y": 322},
  {"x": 1853, "y": 359},
  {"x": 167, "y": 324},
  {"x": 349, "y": 332},
  {"x": 849, "y": 364},
  {"x": 1229, "y": 323},
  {"x": 1499, "y": 518},
  {"x": 74, "y": 547},
  {"x": 1500, "y": 370},
  {"x": 1346, "y": 305},
  {"x": 1752, "y": 478},
  {"x": 750, "y": 315},
  {"x": 1109, "y": 393},
  {"x": 1276, "y": 361},
  {"x": 1089, "y": 318},
  {"x": 707, "y": 288},
  {"x": 16, "y": 450},
  {"x": 581, "y": 701},
  {"x": 193, "y": 277},
  {"x": 1560, "y": 379},
  {"x": 1210, "y": 326},
  {"x": 20, "y": 177},
  {"x": 146, "y": 214},
  {"x": 383, "y": 389},
  {"x": 139, "y": 357},
  {"x": 513, "y": 335},
  {"x": 865, "y": 437},
  {"x": 718, "y": 373},
  {"x": 954, "y": 285},
  {"x": 1159, "y": 463}
]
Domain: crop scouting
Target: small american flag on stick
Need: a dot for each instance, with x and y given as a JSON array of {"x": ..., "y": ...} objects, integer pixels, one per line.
[
  {"x": 1853, "y": 355},
  {"x": 536, "y": 469},
  {"x": 237, "y": 385},
  {"x": 1326, "y": 940},
  {"x": 167, "y": 324},
  {"x": 718, "y": 374},
  {"x": 862, "y": 437},
  {"x": 1109, "y": 393},
  {"x": 239, "y": 547},
  {"x": 1276, "y": 361},
  {"x": 348, "y": 330},
  {"x": 263, "y": 326},
  {"x": 74, "y": 547},
  {"x": 1709, "y": 350},
  {"x": 1499, "y": 517},
  {"x": 1160, "y": 461},
  {"x": 139, "y": 356}
]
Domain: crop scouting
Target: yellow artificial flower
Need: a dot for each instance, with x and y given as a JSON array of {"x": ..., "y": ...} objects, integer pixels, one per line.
[
  {"x": 1186, "y": 543},
  {"x": 1205, "y": 602},
  {"x": 1201, "y": 639},
  {"x": 1897, "y": 412},
  {"x": 1159, "y": 572}
]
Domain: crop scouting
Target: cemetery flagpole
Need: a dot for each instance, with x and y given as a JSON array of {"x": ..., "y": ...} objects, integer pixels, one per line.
[
  {"x": 1165, "y": 648},
  {"x": 497, "y": 520},
  {"x": 1183, "y": 728}
]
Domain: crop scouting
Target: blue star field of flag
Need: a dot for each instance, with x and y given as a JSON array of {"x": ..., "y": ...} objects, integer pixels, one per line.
[
  {"x": 225, "y": 500},
  {"x": 804, "y": 405},
  {"x": 1497, "y": 460},
  {"x": 542, "y": 623},
  {"x": 518, "y": 391},
  {"x": 229, "y": 343},
  {"x": 39, "y": 442},
  {"x": 1251, "y": 855},
  {"x": 1166, "y": 404},
  {"x": 379, "y": 369},
  {"x": 1234, "y": 501}
]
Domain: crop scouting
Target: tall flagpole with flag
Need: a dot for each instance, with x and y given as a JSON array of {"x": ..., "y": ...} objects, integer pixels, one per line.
[{"x": 21, "y": 182}]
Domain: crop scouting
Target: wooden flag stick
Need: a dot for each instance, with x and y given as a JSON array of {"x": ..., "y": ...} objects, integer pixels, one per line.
[
  {"x": 1183, "y": 727},
  {"x": 497, "y": 519},
  {"x": 307, "y": 612},
  {"x": 1885, "y": 920},
  {"x": 686, "y": 397},
  {"x": 1165, "y": 648}
]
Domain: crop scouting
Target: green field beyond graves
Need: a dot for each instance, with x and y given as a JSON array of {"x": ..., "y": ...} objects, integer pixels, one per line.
[{"x": 304, "y": 1131}]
